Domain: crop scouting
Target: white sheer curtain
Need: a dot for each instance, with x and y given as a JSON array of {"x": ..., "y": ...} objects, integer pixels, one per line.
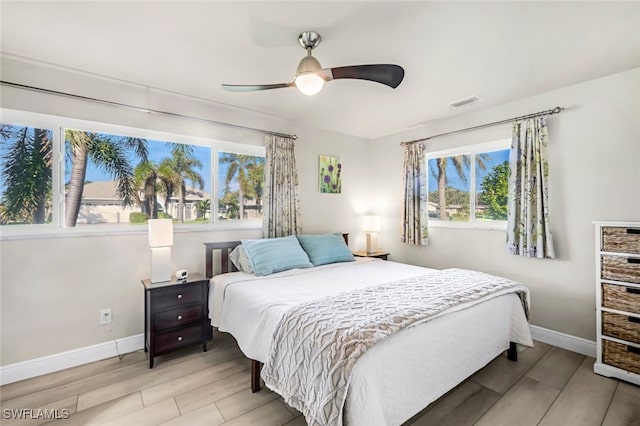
[
  {"x": 281, "y": 211},
  {"x": 414, "y": 214},
  {"x": 528, "y": 230}
]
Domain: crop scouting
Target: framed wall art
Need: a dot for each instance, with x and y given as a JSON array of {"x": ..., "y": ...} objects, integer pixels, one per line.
[{"x": 329, "y": 171}]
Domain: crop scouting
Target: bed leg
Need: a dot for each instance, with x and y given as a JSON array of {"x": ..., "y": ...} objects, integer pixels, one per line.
[
  {"x": 256, "y": 366},
  {"x": 512, "y": 353}
]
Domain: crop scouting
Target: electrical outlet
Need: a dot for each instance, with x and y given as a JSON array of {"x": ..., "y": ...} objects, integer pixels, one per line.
[{"x": 105, "y": 316}]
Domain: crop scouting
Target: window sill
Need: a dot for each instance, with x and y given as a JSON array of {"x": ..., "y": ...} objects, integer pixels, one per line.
[
  {"x": 48, "y": 231},
  {"x": 487, "y": 226}
]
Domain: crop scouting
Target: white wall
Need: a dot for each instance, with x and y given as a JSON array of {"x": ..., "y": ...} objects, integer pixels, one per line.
[
  {"x": 53, "y": 288},
  {"x": 594, "y": 150}
]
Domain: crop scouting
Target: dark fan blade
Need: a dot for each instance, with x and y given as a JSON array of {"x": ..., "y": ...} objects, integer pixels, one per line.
[
  {"x": 391, "y": 75},
  {"x": 254, "y": 87}
]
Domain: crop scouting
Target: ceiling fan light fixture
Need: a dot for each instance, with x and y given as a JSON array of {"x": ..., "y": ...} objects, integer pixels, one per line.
[{"x": 309, "y": 84}]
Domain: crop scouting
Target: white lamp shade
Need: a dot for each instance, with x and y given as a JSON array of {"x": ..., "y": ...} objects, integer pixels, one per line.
[
  {"x": 309, "y": 84},
  {"x": 371, "y": 223},
  {"x": 160, "y": 232}
]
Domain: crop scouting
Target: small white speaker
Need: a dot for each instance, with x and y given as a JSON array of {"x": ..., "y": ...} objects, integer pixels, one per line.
[{"x": 182, "y": 274}]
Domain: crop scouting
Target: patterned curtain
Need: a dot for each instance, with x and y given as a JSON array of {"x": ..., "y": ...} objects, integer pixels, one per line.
[
  {"x": 528, "y": 231},
  {"x": 281, "y": 213},
  {"x": 414, "y": 215}
]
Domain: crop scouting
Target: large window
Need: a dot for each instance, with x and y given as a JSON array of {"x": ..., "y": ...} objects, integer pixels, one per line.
[
  {"x": 469, "y": 185},
  {"x": 112, "y": 176}
]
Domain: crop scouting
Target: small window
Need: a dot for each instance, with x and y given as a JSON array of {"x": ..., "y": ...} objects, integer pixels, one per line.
[
  {"x": 25, "y": 167},
  {"x": 469, "y": 185}
]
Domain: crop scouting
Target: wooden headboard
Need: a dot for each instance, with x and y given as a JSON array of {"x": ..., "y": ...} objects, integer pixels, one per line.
[{"x": 225, "y": 248}]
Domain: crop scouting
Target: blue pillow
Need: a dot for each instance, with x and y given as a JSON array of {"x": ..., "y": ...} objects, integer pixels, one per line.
[
  {"x": 323, "y": 249},
  {"x": 272, "y": 255}
]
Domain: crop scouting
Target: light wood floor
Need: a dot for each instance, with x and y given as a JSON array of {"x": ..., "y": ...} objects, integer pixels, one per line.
[{"x": 547, "y": 386}]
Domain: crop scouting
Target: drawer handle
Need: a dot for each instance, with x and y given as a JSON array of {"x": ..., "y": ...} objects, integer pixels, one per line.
[
  {"x": 179, "y": 296},
  {"x": 633, "y": 290},
  {"x": 180, "y": 317},
  {"x": 179, "y": 338},
  {"x": 633, "y": 230},
  {"x": 633, "y": 350},
  {"x": 634, "y": 319},
  {"x": 633, "y": 260}
]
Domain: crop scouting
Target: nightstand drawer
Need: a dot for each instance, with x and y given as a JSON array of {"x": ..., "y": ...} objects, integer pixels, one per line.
[
  {"x": 621, "y": 268},
  {"x": 621, "y": 298},
  {"x": 621, "y": 240},
  {"x": 623, "y": 327},
  {"x": 176, "y": 296},
  {"x": 177, "y": 317},
  {"x": 174, "y": 339}
]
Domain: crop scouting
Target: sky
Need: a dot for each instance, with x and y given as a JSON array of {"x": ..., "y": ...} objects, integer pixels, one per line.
[{"x": 495, "y": 158}]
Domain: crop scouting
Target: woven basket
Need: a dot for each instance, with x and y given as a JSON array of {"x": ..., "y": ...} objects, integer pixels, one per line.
[
  {"x": 622, "y": 327},
  {"x": 621, "y": 356},
  {"x": 621, "y": 240},
  {"x": 621, "y": 268},
  {"x": 621, "y": 298}
]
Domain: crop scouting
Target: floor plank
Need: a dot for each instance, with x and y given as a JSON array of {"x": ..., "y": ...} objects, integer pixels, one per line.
[
  {"x": 556, "y": 367},
  {"x": 501, "y": 374},
  {"x": 583, "y": 401},
  {"x": 209, "y": 393},
  {"x": 148, "y": 416},
  {"x": 625, "y": 406},
  {"x": 207, "y": 415},
  {"x": 244, "y": 401},
  {"x": 104, "y": 412},
  {"x": 462, "y": 406},
  {"x": 270, "y": 414},
  {"x": 170, "y": 388},
  {"x": 523, "y": 405}
]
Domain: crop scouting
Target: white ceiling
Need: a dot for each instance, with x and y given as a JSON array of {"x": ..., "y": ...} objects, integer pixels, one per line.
[{"x": 501, "y": 52}]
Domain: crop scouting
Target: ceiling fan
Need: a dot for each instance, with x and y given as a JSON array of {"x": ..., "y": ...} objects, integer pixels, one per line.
[{"x": 311, "y": 77}]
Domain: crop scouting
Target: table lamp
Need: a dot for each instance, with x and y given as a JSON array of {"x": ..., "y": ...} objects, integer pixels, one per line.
[
  {"x": 160, "y": 241},
  {"x": 371, "y": 225}
]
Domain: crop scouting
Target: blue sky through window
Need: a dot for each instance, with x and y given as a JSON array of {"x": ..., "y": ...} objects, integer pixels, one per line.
[{"x": 454, "y": 181}]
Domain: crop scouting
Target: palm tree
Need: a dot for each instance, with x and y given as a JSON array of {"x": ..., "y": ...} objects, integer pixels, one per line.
[
  {"x": 242, "y": 167},
  {"x": 108, "y": 152},
  {"x": 203, "y": 206},
  {"x": 145, "y": 178},
  {"x": 26, "y": 174},
  {"x": 460, "y": 163},
  {"x": 179, "y": 169}
]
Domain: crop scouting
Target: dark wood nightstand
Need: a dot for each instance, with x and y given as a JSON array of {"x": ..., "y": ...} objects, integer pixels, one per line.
[
  {"x": 379, "y": 254},
  {"x": 175, "y": 314}
]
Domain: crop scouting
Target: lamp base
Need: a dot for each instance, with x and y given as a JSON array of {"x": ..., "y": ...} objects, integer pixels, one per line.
[
  {"x": 160, "y": 264},
  {"x": 372, "y": 242}
]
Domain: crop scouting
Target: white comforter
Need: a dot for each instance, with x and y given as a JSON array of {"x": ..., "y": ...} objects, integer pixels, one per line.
[{"x": 250, "y": 307}]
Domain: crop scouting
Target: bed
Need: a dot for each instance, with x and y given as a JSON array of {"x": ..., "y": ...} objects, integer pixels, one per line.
[{"x": 396, "y": 377}]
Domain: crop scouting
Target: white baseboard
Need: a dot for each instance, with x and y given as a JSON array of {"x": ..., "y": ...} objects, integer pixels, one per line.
[
  {"x": 564, "y": 341},
  {"x": 60, "y": 361},
  {"x": 56, "y": 362}
]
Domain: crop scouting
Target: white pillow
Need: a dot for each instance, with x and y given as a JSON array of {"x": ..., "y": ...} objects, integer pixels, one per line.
[{"x": 240, "y": 259}]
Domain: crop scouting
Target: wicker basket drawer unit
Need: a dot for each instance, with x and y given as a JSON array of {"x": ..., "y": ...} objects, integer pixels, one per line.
[
  {"x": 618, "y": 300},
  {"x": 625, "y": 357},
  {"x": 620, "y": 297},
  {"x": 621, "y": 268},
  {"x": 621, "y": 239},
  {"x": 623, "y": 327}
]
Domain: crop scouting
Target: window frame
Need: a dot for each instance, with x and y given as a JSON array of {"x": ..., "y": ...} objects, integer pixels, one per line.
[
  {"x": 471, "y": 150},
  {"x": 58, "y": 124}
]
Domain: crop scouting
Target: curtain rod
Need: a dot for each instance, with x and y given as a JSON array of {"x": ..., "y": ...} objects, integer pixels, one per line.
[
  {"x": 137, "y": 108},
  {"x": 555, "y": 110}
]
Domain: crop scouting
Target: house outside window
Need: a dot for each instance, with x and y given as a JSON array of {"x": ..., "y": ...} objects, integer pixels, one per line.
[{"x": 467, "y": 186}]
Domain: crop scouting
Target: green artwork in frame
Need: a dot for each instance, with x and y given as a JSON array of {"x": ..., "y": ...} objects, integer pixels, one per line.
[{"x": 330, "y": 170}]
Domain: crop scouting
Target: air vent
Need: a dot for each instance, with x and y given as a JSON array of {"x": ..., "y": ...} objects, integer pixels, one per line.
[{"x": 464, "y": 102}]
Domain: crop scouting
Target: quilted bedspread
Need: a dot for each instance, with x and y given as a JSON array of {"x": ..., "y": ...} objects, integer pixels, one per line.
[{"x": 317, "y": 343}]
